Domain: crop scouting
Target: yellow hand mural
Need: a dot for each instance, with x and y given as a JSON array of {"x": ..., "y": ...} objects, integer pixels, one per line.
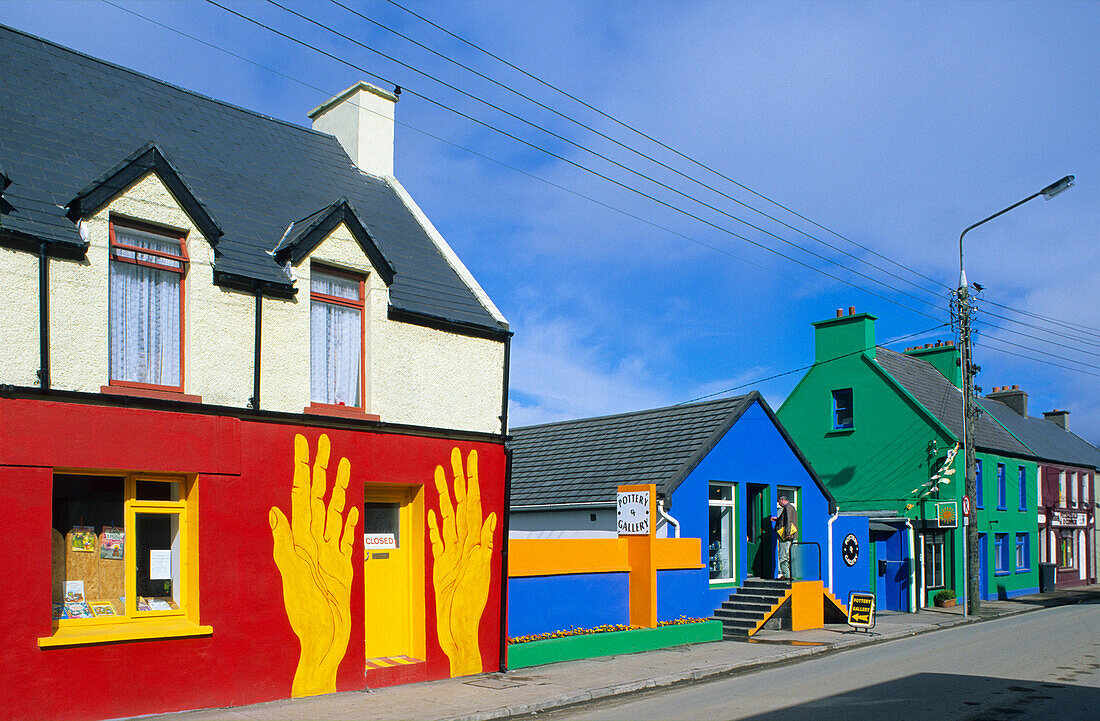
[
  {"x": 463, "y": 549},
  {"x": 314, "y": 560}
]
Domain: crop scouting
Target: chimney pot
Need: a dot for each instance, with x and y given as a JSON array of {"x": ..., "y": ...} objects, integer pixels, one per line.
[
  {"x": 839, "y": 312},
  {"x": 951, "y": 343},
  {"x": 851, "y": 310},
  {"x": 1015, "y": 387},
  {"x": 927, "y": 345}
]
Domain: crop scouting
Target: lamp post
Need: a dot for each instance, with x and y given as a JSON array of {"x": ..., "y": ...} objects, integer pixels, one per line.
[{"x": 970, "y": 411}]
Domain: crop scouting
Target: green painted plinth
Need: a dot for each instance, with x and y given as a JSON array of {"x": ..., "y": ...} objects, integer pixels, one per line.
[{"x": 571, "y": 648}]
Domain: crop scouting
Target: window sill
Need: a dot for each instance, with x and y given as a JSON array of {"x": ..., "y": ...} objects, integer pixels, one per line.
[
  {"x": 1022, "y": 570},
  {"x": 723, "y": 583},
  {"x": 117, "y": 632},
  {"x": 164, "y": 395},
  {"x": 840, "y": 432},
  {"x": 1002, "y": 573},
  {"x": 324, "y": 409}
]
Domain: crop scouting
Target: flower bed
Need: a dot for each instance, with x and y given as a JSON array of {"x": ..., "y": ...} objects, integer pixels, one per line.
[{"x": 573, "y": 644}]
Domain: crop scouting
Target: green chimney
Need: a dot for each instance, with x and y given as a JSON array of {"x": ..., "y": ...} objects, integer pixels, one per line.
[
  {"x": 944, "y": 357},
  {"x": 844, "y": 335}
]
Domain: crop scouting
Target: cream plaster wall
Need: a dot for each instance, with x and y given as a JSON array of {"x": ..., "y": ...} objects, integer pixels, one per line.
[
  {"x": 434, "y": 378},
  {"x": 415, "y": 375},
  {"x": 19, "y": 317},
  {"x": 218, "y": 322}
]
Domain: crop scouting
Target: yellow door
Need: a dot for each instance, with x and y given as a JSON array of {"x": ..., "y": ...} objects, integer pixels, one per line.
[{"x": 393, "y": 573}]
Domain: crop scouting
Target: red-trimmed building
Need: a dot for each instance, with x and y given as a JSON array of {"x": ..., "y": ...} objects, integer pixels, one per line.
[{"x": 252, "y": 405}]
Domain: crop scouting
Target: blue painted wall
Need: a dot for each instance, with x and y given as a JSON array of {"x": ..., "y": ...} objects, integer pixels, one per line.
[
  {"x": 851, "y": 578},
  {"x": 543, "y": 604},
  {"x": 753, "y": 451}
]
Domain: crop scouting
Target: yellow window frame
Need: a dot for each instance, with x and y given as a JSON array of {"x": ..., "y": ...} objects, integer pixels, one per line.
[{"x": 134, "y": 624}]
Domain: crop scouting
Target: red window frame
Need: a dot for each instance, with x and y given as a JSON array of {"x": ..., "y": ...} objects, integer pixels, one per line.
[
  {"x": 358, "y": 410},
  {"x": 115, "y": 385}
]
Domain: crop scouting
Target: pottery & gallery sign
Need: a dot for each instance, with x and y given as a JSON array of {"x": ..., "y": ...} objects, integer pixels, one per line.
[{"x": 632, "y": 513}]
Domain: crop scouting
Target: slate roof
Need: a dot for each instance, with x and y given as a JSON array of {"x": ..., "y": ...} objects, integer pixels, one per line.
[
  {"x": 1048, "y": 440},
  {"x": 944, "y": 401},
  {"x": 66, "y": 119}
]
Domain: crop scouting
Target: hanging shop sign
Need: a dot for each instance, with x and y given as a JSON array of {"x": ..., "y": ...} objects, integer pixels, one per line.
[
  {"x": 633, "y": 513},
  {"x": 861, "y": 610},
  {"x": 947, "y": 514},
  {"x": 1067, "y": 518}
]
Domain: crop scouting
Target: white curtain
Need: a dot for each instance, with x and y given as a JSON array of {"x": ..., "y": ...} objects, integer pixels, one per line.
[
  {"x": 144, "y": 324},
  {"x": 335, "y": 342}
]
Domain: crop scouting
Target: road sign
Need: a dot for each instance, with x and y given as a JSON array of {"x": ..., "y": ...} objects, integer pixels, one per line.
[
  {"x": 861, "y": 610},
  {"x": 966, "y": 506}
]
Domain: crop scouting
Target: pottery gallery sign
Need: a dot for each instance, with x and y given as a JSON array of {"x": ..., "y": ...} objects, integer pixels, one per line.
[{"x": 632, "y": 513}]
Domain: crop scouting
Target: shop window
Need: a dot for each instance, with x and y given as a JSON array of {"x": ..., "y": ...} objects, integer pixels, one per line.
[
  {"x": 722, "y": 551},
  {"x": 978, "y": 501},
  {"x": 1000, "y": 553},
  {"x": 1065, "y": 548},
  {"x": 336, "y": 334},
  {"x": 1023, "y": 488},
  {"x": 1002, "y": 491},
  {"x": 145, "y": 318},
  {"x": 933, "y": 561},
  {"x": 120, "y": 546},
  {"x": 1023, "y": 552},
  {"x": 843, "y": 415}
]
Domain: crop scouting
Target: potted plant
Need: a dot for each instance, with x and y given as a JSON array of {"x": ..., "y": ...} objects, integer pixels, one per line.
[{"x": 945, "y": 598}]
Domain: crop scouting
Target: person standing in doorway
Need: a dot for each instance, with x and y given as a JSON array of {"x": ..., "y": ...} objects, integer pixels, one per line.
[{"x": 785, "y": 530}]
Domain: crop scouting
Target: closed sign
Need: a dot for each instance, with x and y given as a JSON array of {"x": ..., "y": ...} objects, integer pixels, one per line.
[{"x": 632, "y": 517}]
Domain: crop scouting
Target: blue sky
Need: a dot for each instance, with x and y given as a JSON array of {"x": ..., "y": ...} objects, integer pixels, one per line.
[{"x": 896, "y": 125}]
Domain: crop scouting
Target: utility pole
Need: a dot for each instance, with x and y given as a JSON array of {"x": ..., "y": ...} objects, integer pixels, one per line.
[{"x": 962, "y": 300}]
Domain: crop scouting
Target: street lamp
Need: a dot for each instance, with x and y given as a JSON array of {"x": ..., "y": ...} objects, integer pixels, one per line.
[{"x": 970, "y": 415}]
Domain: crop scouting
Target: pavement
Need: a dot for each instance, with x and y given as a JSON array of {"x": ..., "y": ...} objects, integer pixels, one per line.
[{"x": 560, "y": 685}]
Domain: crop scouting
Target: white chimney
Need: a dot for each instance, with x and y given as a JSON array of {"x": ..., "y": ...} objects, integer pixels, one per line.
[{"x": 361, "y": 118}]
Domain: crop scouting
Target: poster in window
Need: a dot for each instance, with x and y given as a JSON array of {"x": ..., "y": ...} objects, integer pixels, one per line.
[
  {"x": 74, "y": 591},
  {"x": 58, "y": 610},
  {"x": 83, "y": 539},
  {"x": 102, "y": 608},
  {"x": 78, "y": 609},
  {"x": 111, "y": 543},
  {"x": 160, "y": 564}
]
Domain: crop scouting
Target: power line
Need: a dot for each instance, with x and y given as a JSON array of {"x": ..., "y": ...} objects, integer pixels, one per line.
[
  {"x": 1032, "y": 358},
  {"x": 1049, "y": 319},
  {"x": 658, "y": 142},
  {"x": 620, "y": 144},
  {"x": 563, "y": 139},
  {"x": 807, "y": 367},
  {"x": 586, "y": 169}
]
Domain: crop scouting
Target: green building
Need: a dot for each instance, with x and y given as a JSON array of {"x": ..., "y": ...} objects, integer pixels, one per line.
[{"x": 877, "y": 426}]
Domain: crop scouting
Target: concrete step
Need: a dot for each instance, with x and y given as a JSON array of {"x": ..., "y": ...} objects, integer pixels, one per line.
[
  {"x": 735, "y": 625},
  {"x": 724, "y": 614},
  {"x": 757, "y": 597},
  {"x": 747, "y": 605},
  {"x": 766, "y": 583}
]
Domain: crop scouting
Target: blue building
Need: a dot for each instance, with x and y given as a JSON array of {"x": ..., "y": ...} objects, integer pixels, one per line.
[{"x": 719, "y": 468}]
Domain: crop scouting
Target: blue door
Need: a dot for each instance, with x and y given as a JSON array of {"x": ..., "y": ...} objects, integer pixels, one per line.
[
  {"x": 892, "y": 582},
  {"x": 983, "y": 593}
]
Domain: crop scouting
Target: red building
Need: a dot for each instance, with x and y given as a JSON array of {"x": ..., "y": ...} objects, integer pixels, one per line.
[
  {"x": 1067, "y": 477},
  {"x": 252, "y": 405}
]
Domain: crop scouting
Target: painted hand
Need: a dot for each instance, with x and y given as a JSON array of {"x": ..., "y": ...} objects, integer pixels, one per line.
[
  {"x": 314, "y": 560},
  {"x": 463, "y": 549}
]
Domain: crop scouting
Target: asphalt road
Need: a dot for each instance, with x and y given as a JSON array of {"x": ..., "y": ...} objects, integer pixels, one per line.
[{"x": 1040, "y": 665}]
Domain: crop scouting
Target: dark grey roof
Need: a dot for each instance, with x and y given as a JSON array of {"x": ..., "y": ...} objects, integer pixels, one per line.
[
  {"x": 944, "y": 401},
  {"x": 583, "y": 461},
  {"x": 66, "y": 120},
  {"x": 1048, "y": 440}
]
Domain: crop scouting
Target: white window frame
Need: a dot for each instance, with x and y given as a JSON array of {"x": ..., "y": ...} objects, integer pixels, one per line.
[{"x": 731, "y": 504}]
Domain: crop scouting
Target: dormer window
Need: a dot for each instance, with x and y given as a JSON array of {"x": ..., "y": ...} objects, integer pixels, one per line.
[
  {"x": 145, "y": 322},
  {"x": 336, "y": 337}
]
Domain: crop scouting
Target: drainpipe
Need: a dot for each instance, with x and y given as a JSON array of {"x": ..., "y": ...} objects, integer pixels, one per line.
[
  {"x": 836, "y": 512},
  {"x": 255, "y": 400},
  {"x": 43, "y": 317},
  {"x": 912, "y": 570},
  {"x": 504, "y": 392},
  {"x": 668, "y": 518},
  {"x": 504, "y": 560}
]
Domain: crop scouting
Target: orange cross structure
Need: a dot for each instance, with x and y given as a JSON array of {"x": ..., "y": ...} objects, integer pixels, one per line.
[{"x": 639, "y": 555}]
